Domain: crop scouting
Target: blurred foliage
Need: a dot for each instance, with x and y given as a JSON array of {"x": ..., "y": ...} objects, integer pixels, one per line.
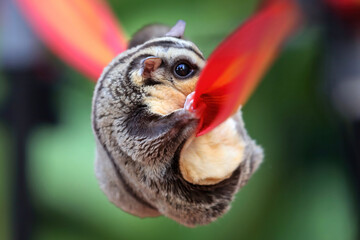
[
  {"x": 4, "y": 174},
  {"x": 301, "y": 191},
  {"x": 207, "y": 22}
]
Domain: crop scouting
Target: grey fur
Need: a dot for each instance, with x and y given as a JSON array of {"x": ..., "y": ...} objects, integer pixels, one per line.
[{"x": 137, "y": 160}]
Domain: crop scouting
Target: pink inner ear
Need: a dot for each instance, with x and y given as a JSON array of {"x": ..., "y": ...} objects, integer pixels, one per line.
[{"x": 150, "y": 64}]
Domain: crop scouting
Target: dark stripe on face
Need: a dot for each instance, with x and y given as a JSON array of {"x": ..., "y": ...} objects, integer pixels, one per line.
[
  {"x": 171, "y": 44},
  {"x": 150, "y": 82},
  {"x": 162, "y": 43}
]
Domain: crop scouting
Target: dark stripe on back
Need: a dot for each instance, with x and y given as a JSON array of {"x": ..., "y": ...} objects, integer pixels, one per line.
[{"x": 125, "y": 184}]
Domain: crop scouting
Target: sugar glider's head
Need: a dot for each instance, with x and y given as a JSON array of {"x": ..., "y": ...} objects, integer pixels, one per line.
[
  {"x": 159, "y": 69},
  {"x": 166, "y": 70}
]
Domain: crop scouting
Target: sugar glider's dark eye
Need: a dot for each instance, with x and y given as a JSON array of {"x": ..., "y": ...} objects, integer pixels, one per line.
[{"x": 183, "y": 70}]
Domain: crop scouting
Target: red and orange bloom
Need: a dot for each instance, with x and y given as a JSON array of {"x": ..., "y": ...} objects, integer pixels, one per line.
[
  {"x": 235, "y": 68},
  {"x": 84, "y": 33}
]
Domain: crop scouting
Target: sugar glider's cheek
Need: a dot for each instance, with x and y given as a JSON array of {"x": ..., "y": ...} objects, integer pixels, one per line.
[
  {"x": 186, "y": 86},
  {"x": 163, "y": 99}
]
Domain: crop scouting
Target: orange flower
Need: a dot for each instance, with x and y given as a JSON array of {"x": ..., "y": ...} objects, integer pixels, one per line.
[{"x": 84, "y": 33}]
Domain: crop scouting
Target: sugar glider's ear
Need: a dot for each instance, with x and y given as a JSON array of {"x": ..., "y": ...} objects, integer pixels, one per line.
[
  {"x": 177, "y": 30},
  {"x": 149, "y": 65}
]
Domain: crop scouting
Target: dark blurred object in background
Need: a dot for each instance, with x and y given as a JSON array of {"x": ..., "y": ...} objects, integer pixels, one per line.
[
  {"x": 30, "y": 78},
  {"x": 342, "y": 75}
]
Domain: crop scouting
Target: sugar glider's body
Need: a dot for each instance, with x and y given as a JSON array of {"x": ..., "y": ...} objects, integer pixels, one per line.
[{"x": 148, "y": 160}]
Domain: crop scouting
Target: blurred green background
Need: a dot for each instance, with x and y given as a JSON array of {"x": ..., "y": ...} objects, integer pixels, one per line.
[{"x": 301, "y": 191}]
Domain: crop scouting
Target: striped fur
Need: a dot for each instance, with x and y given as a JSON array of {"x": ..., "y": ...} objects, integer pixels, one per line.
[{"x": 145, "y": 145}]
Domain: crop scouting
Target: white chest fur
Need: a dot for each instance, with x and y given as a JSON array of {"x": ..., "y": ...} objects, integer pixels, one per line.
[{"x": 213, "y": 157}]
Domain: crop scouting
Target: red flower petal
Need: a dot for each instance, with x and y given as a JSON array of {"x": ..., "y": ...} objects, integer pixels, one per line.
[
  {"x": 84, "y": 33},
  {"x": 236, "y": 66}
]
